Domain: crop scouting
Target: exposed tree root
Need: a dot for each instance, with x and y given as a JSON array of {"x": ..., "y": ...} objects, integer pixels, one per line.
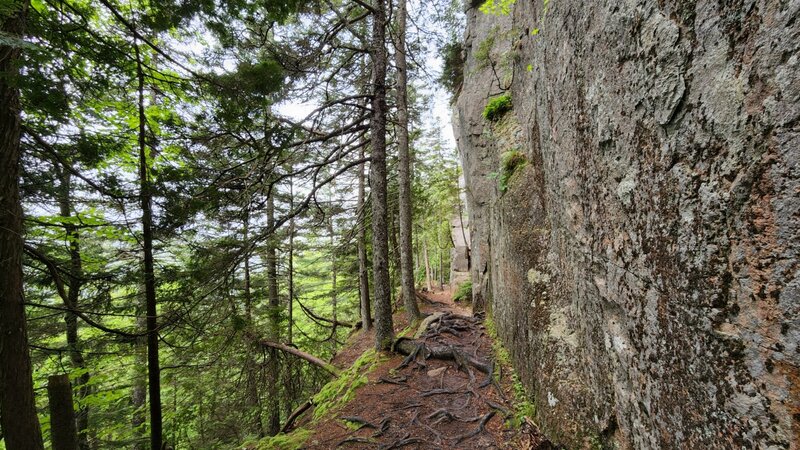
[
  {"x": 450, "y": 405},
  {"x": 478, "y": 430},
  {"x": 406, "y": 440},
  {"x": 356, "y": 440},
  {"x": 364, "y": 423},
  {"x": 413, "y": 348}
]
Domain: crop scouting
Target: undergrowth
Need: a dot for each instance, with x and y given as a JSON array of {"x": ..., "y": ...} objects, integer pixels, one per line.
[
  {"x": 463, "y": 292},
  {"x": 523, "y": 406},
  {"x": 340, "y": 391},
  {"x": 332, "y": 397}
]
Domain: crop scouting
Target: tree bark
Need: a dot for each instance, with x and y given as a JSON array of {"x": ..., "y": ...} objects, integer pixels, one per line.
[
  {"x": 274, "y": 422},
  {"x": 145, "y": 196},
  {"x": 384, "y": 328},
  {"x": 334, "y": 299},
  {"x": 253, "y": 397},
  {"x": 74, "y": 286},
  {"x": 290, "y": 326},
  {"x": 139, "y": 388},
  {"x": 428, "y": 282},
  {"x": 363, "y": 271},
  {"x": 17, "y": 406},
  {"x": 406, "y": 218},
  {"x": 63, "y": 432},
  {"x": 394, "y": 252}
]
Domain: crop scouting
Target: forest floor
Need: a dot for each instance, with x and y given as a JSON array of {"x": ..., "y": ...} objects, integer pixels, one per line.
[{"x": 426, "y": 404}]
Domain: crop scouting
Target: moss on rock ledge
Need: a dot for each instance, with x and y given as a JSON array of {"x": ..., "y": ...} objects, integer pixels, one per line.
[{"x": 330, "y": 399}]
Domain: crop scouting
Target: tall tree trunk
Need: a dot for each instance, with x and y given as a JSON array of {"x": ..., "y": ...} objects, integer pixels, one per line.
[
  {"x": 251, "y": 367},
  {"x": 333, "y": 277},
  {"x": 74, "y": 286},
  {"x": 290, "y": 265},
  {"x": 361, "y": 237},
  {"x": 145, "y": 195},
  {"x": 441, "y": 270},
  {"x": 274, "y": 426},
  {"x": 428, "y": 282},
  {"x": 406, "y": 219},
  {"x": 17, "y": 406},
  {"x": 139, "y": 388},
  {"x": 63, "y": 432},
  {"x": 384, "y": 328},
  {"x": 394, "y": 252}
]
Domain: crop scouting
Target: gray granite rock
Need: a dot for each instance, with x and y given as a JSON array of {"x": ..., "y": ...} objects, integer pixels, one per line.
[{"x": 642, "y": 267}]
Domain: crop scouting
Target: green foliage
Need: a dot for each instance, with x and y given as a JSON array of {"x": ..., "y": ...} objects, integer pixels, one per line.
[
  {"x": 510, "y": 163},
  {"x": 463, "y": 292},
  {"x": 497, "y": 7},
  {"x": 452, "y": 76},
  {"x": 497, "y": 107}
]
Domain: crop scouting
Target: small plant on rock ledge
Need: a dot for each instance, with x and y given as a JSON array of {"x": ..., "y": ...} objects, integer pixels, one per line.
[
  {"x": 497, "y": 107},
  {"x": 510, "y": 163}
]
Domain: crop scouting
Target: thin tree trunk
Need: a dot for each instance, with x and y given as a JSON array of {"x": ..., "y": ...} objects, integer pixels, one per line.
[
  {"x": 153, "y": 368},
  {"x": 394, "y": 252},
  {"x": 17, "y": 405},
  {"x": 384, "y": 328},
  {"x": 290, "y": 326},
  {"x": 274, "y": 425},
  {"x": 427, "y": 266},
  {"x": 63, "y": 434},
  {"x": 253, "y": 397},
  {"x": 333, "y": 277},
  {"x": 74, "y": 285},
  {"x": 441, "y": 270},
  {"x": 139, "y": 389},
  {"x": 406, "y": 219},
  {"x": 363, "y": 274}
]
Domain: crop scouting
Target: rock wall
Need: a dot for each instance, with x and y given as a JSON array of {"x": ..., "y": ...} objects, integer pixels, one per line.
[
  {"x": 642, "y": 267},
  {"x": 459, "y": 254}
]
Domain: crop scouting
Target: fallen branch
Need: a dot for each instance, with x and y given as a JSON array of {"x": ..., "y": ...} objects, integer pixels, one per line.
[
  {"x": 429, "y": 301},
  {"x": 300, "y": 354},
  {"x": 295, "y": 414},
  {"x": 311, "y": 314}
]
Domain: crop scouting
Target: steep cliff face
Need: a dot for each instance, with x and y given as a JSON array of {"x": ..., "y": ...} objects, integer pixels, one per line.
[{"x": 642, "y": 265}]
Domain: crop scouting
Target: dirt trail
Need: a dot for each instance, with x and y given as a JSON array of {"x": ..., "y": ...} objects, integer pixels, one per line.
[{"x": 431, "y": 403}]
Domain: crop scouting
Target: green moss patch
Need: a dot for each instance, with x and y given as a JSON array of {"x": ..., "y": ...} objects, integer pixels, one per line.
[
  {"x": 497, "y": 107},
  {"x": 292, "y": 441},
  {"x": 339, "y": 392}
]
